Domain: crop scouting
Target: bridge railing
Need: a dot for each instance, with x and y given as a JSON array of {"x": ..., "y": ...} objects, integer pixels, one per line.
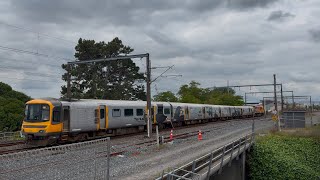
[{"x": 211, "y": 163}]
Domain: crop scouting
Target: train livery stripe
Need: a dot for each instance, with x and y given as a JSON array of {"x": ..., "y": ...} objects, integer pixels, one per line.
[{"x": 107, "y": 116}]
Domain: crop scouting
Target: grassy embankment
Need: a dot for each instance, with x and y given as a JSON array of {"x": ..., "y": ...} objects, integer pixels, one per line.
[{"x": 291, "y": 154}]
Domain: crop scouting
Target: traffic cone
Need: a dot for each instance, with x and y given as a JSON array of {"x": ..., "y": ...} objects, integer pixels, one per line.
[
  {"x": 199, "y": 135},
  {"x": 171, "y": 135}
]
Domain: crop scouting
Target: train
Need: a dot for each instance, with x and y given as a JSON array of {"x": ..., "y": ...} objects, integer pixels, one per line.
[{"x": 49, "y": 121}]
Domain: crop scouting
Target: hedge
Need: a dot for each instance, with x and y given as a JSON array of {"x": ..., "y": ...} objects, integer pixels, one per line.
[{"x": 284, "y": 157}]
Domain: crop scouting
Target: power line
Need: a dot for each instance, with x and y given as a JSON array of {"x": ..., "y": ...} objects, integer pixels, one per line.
[
  {"x": 38, "y": 63},
  {"x": 31, "y": 73},
  {"x": 29, "y": 79},
  {"x": 32, "y": 53},
  {"x": 36, "y": 32}
]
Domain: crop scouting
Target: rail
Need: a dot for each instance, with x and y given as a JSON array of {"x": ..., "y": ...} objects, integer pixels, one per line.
[{"x": 213, "y": 161}]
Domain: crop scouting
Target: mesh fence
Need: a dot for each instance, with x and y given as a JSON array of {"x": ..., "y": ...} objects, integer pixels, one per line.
[
  {"x": 9, "y": 136},
  {"x": 86, "y": 160}
]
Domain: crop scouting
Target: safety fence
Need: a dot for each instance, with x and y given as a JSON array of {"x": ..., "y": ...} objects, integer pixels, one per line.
[
  {"x": 85, "y": 160},
  {"x": 211, "y": 163},
  {"x": 10, "y": 136}
]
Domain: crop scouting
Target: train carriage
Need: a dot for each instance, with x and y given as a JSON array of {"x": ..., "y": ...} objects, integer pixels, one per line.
[{"x": 50, "y": 120}]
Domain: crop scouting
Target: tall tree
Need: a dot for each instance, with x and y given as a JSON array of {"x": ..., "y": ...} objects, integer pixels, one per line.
[
  {"x": 104, "y": 80},
  {"x": 166, "y": 96}
]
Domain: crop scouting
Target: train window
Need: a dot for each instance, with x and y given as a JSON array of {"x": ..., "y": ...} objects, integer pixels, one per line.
[
  {"x": 56, "y": 116},
  {"x": 139, "y": 112},
  {"x": 101, "y": 113},
  {"x": 166, "y": 111},
  {"x": 128, "y": 112},
  {"x": 160, "y": 109},
  {"x": 116, "y": 112}
]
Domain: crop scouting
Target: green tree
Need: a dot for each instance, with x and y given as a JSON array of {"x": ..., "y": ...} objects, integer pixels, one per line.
[
  {"x": 166, "y": 96},
  {"x": 223, "y": 96},
  {"x": 105, "y": 80},
  {"x": 192, "y": 93},
  {"x": 12, "y": 105}
]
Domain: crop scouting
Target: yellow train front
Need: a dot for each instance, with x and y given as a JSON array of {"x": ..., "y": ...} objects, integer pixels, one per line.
[{"x": 41, "y": 125}]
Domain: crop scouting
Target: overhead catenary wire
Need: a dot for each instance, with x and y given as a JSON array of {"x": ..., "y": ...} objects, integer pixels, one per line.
[
  {"x": 30, "y": 79},
  {"x": 32, "y": 53},
  {"x": 37, "y": 32},
  {"x": 34, "y": 73}
]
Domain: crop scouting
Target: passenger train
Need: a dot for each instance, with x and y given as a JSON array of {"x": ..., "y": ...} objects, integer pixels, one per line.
[{"x": 49, "y": 121}]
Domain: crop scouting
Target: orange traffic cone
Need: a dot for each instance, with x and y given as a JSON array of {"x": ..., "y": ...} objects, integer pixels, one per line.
[
  {"x": 199, "y": 135},
  {"x": 171, "y": 135}
]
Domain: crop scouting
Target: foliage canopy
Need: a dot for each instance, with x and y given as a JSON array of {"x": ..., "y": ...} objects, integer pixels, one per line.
[
  {"x": 104, "y": 80},
  {"x": 11, "y": 108},
  {"x": 193, "y": 93}
]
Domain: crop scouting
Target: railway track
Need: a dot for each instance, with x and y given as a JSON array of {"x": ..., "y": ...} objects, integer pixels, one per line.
[{"x": 11, "y": 143}]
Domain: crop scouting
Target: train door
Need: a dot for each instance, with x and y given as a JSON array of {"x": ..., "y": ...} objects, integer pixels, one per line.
[
  {"x": 66, "y": 118},
  {"x": 102, "y": 117},
  {"x": 186, "y": 116},
  {"x": 203, "y": 112}
]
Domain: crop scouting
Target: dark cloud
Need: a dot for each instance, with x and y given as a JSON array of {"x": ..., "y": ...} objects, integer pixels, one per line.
[
  {"x": 245, "y": 4},
  {"x": 122, "y": 12},
  {"x": 210, "y": 41},
  {"x": 279, "y": 16},
  {"x": 315, "y": 34}
]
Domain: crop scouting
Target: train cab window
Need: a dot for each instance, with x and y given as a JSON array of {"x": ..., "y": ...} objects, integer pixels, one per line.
[
  {"x": 102, "y": 114},
  {"x": 166, "y": 111},
  {"x": 128, "y": 112},
  {"x": 116, "y": 112},
  {"x": 139, "y": 112}
]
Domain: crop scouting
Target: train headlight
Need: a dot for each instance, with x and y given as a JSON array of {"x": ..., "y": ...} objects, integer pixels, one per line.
[{"x": 42, "y": 131}]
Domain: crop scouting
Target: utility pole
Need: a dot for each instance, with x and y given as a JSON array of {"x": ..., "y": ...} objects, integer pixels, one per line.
[
  {"x": 68, "y": 82},
  {"x": 149, "y": 125},
  {"x": 275, "y": 99},
  {"x": 281, "y": 98},
  {"x": 245, "y": 99}
]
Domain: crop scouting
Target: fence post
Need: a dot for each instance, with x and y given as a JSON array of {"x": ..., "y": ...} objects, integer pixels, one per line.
[
  {"x": 209, "y": 167},
  {"x": 239, "y": 148},
  {"x": 108, "y": 158},
  {"x": 221, "y": 164},
  {"x": 231, "y": 156},
  {"x": 193, "y": 167}
]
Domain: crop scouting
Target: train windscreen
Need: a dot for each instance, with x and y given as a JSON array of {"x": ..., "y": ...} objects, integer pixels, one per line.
[{"x": 37, "y": 113}]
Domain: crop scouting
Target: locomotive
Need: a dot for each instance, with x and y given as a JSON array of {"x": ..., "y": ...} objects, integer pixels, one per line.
[{"x": 49, "y": 121}]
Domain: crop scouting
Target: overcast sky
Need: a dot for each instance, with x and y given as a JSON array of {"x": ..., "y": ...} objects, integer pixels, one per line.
[{"x": 210, "y": 41}]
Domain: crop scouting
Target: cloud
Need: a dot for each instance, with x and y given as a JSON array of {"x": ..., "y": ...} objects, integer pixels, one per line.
[
  {"x": 210, "y": 41},
  {"x": 315, "y": 34},
  {"x": 279, "y": 16}
]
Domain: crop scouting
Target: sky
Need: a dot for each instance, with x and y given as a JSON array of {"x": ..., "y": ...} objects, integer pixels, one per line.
[{"x": 210, "y": 41}]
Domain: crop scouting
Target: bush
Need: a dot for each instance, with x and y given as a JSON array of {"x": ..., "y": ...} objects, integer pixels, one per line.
[{"x": 285, "y": 157}]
